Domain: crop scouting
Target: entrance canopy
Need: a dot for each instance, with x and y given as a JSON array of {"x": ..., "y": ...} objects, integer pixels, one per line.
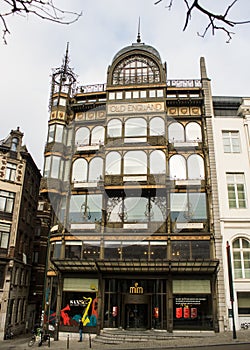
[{"x": 137, "y": 266}]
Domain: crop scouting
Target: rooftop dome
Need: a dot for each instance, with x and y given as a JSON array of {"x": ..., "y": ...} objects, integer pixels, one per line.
[{"x": 138, "y": 46}]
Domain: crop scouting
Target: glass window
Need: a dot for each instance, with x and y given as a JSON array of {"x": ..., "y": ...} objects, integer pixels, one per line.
[
  {"x": 10, "y": 173},
  {"x": 62, "y": 101},
  {"x": 195, "y": 167},
  {"x": 193, "y": 132},
  {"x": 236, "y": 190},
  {"x": 114, "y": 128},
  {"x": 113, "y": 163},
  {"x": 79, "y": 170},
  {"x": 14, "y": 144},
  {"x": 241, "y": 258},
  {"x": 136, "y": 69},
  {"x": 73, "y": 250},
  {"x": 135, "y": 162},
  {"x": 231, "y": 141},
  {"x": 85, "y": 208},
  {"x": 4, "y": 235},
  {"x": 188, "y": 206},
  {"x": 177, "y": 167},
  {"x": 111, "y": 95},
  {"x": 7, "y": 201},
  {"x": 135, "y": 127},
  {"x": 59, "y": 133},
  {"x": 82, "y": 136},
  {"x": 97, "y": 135},
  {"x": 157, "y": 126},
  {"x": 128, "y": 94},
  {"x": 96, "y": 169},
  {"x": 143, "y": 94},
  {"x": 55, "y": 167},
  {"x": 135, "y": 209},
  {"x": 188, "y": 250},
  {"x": 152, "y": 93},
  {"x": 135, "y": 94},
  {"x": 243, "y": 303},
  {"x": 119, "y": 95},
  {"x": 157, "y": 162},
  {"x": 176, "y": 132},
  {"x": 159, "y": 93},
  {"x": 51, "y": 133}
]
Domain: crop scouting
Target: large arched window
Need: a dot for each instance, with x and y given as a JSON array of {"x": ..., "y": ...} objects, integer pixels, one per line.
[
  {"x": 113, "y": 163},
  {"x": 114, "y": 128},
  {"x": 135, "y": 162},
  {"x": 96, "y": 169},
  {"x": 195, "y": 167},
  {"x": 241, "y": 258},
  {"x": 80, "y": 170},
  {"x": 193, "y": 132},
  {"x": 97, "y": 135},
  {"x": 135, "y": 127},
  {"x": 82, "y": 136},
  {"x": 136, "y": 70},
  {"x": 176, "y": 132},
  {"x": 157, "y": 162},
  {"x": 177, "y": 167},
  {"x": 156, "y": 126}
]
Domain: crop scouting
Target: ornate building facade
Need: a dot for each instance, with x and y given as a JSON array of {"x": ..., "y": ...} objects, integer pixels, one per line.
[
  {"x": 130, "y": 174},
  {"x": 19, "y": 189}
]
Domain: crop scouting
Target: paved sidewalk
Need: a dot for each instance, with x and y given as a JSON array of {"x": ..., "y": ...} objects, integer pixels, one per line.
[{"x": 177, "y": 339}]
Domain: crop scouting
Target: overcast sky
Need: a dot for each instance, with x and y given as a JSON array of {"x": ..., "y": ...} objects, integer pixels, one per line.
[{"x": 35, "y": 47}]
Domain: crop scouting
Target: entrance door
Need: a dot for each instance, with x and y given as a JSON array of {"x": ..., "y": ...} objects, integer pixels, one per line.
[{"x": 136, "y": 316}]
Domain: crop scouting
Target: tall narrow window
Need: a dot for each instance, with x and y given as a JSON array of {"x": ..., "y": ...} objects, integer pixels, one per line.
[
  {"x": 193, "y": 132},
  {"x": 156, "y": 126},
  {"x": 14, "y": 144},
  {"x": 4, "y": 235},
  {"x": 97, "y": 135},
  {"x": 113, "y": 163},
  {"x": 7, "y": 201},
  {"x": 10, "y": 173},
  {"x": 79, "y": 170},
  {"x": 241, "y": 258},
  {"x": 231, "y": 141},
  {"x": 177, "y": 167},
  {"x": 82, "y": 136},
  {"x": 236, "y": 190},
  {"x": 114, "y": 128},
  {"x": 176, "y": 132},
  {"x": 157, "y": 162},
  {"x": 195, "y": 167},
  {"x": 96, "y": 169}
]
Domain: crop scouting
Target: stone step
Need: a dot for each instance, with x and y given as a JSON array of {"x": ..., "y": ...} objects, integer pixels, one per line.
[{"x": 117, "y": 336}]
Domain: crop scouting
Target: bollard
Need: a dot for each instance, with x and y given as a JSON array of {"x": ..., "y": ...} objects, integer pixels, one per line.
[
  {"x": 68, "y": 341},
  {"x": 89, "y": 340}
]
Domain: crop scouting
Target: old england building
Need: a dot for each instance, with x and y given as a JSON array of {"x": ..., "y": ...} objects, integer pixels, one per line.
[{"x": 130, "y": 174}]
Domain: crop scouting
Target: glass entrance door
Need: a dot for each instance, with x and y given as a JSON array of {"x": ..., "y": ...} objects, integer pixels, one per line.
[{"x": 136, "y": 316}]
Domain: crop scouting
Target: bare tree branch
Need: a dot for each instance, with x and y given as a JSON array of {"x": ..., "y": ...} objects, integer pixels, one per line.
[
  {"x": 214, "y": 20},
  {"x": 44, "y": 9}
]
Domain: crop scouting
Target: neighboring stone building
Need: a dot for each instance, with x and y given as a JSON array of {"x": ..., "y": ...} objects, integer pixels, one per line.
[
  {"x": 130, "y": 175},
  {"x": 231, "y": 125},
  {"x": 19, "y": 188}
]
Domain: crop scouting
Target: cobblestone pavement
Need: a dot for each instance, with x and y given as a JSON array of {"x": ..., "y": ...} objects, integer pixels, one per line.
[{"x": 180, "y": 339}]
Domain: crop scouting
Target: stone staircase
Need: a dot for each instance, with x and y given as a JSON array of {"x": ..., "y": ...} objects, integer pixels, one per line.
[{"x": 120, "y": 336}]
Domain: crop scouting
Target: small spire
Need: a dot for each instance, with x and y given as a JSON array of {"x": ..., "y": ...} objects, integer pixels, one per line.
[
  {"x": 66, "y": 59},
  {"x": 139, "y": 34}
]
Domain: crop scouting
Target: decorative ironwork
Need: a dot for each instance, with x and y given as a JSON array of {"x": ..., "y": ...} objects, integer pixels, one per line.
[
  {"x": 85, "y": 211},
  {"x": 111, "y": 204},
  {"x": 136, "y": 70},
  {"x": 161, "y": 204}
]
